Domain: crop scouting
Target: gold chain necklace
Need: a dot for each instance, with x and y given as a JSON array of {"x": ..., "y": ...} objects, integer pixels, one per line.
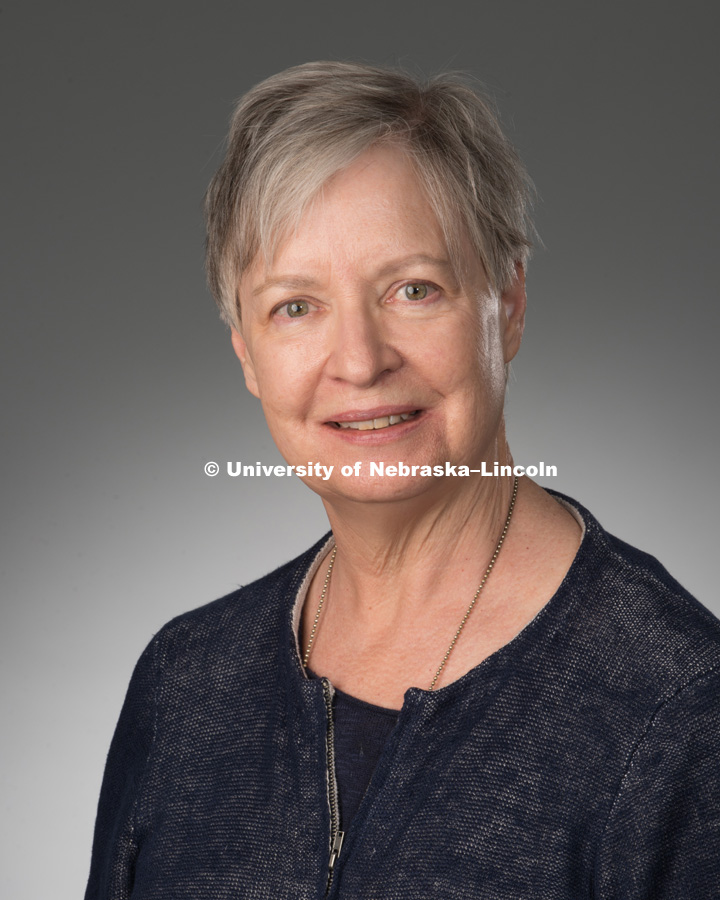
[{"x": 469, "y": 610}]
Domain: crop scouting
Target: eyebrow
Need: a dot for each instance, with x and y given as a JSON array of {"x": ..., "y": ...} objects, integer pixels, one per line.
[
  {"x": 298, "y": 282},
  {"x": 287, "y": 281}
]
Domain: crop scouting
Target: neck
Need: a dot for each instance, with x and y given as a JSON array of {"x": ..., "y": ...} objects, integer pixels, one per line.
[{"x": 393, "y": 557}]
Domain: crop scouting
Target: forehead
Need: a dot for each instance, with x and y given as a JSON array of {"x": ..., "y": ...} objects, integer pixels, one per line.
[{"x": 373, "y": 211}]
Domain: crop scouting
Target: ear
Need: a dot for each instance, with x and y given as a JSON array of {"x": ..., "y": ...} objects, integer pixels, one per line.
[
  {"x": 241, "y": 351},
  {"x": 514, "y": 301}
]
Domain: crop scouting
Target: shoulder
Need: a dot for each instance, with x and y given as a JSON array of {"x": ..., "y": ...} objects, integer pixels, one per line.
[
  {"x": 662, "y": 829},
  {"x": 243, "y": 624},
  {"x": 643, "y": 629}
]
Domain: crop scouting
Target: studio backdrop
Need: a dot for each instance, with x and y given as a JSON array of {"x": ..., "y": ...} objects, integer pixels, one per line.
[{"x": 120, "y": 381}]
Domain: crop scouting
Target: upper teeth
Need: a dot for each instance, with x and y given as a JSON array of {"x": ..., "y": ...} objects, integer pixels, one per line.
[{"x": 382, "y": 422}]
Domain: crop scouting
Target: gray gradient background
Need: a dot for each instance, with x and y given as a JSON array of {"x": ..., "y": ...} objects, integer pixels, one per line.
[{"x": 121, "y": 382}]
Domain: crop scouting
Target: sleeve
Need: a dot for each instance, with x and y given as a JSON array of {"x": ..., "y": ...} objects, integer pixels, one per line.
[
  {"x": 115, "y": 842},
  {"x": 662, "y": 837}
]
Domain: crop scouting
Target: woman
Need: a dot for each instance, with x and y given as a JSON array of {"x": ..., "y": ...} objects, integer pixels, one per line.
[{"x": 468, "y": 688}]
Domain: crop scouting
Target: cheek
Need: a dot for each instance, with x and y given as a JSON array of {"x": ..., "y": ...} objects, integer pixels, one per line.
[
  {"x": 284, "y": 377},
  {"x": 474, "y": 375},
  {"x": 477, "y": 346}
]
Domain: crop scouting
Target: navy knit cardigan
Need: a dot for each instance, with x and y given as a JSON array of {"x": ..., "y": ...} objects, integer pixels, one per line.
[{"x": 581, "y": 760}]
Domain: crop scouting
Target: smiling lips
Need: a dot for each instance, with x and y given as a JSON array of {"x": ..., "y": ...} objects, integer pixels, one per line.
[{"x": 376, "y": 423}]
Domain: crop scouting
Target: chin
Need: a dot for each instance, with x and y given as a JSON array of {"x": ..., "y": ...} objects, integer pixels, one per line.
[{"x": 377, "y": 489}]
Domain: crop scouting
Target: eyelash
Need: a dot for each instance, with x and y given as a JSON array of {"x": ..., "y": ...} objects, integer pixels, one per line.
[{"x": 432, "y": 289}]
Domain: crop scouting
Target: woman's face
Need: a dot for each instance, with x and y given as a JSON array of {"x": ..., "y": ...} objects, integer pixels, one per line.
[{"x": 363, "y": 346}]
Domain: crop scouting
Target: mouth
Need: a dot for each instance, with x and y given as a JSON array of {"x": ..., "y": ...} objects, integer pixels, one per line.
[{"x": 378, "y": 423}]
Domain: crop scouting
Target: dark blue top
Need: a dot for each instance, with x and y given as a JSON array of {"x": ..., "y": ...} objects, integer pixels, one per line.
[
  {"x": 581, "y": 761},
  {"x": 361, "y": 730}
]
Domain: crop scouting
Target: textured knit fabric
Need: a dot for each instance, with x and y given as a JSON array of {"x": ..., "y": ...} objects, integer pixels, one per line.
[{"x": 581, "y": 760}]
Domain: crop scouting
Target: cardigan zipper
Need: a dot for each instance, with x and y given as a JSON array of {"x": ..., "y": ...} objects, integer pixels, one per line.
[{"x": 336, "y": 835}]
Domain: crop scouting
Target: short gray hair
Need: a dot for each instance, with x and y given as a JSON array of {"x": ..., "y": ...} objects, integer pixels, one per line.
[{"x": 293, "y": 131}]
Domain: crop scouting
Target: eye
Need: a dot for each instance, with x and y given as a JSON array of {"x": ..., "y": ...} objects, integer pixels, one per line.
[
  {"x": 416, "y": 290},
  {"x": 295, "y": 308},
  {"x": 422, "y": 293}
]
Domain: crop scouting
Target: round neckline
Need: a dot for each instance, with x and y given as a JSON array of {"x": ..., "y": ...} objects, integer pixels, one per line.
[{"x": 552, "y": 612}]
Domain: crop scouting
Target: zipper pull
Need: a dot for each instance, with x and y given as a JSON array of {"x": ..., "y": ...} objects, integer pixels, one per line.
[{"x": 336, "y": 848}]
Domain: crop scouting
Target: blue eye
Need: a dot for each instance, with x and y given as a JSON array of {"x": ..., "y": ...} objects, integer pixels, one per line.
[
  {"x": 416, "y": 291},
  {"x": 297, "y": 308}
]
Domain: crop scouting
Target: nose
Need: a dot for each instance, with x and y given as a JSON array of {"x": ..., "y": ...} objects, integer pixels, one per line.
[{"x": 360, "y": 350}]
